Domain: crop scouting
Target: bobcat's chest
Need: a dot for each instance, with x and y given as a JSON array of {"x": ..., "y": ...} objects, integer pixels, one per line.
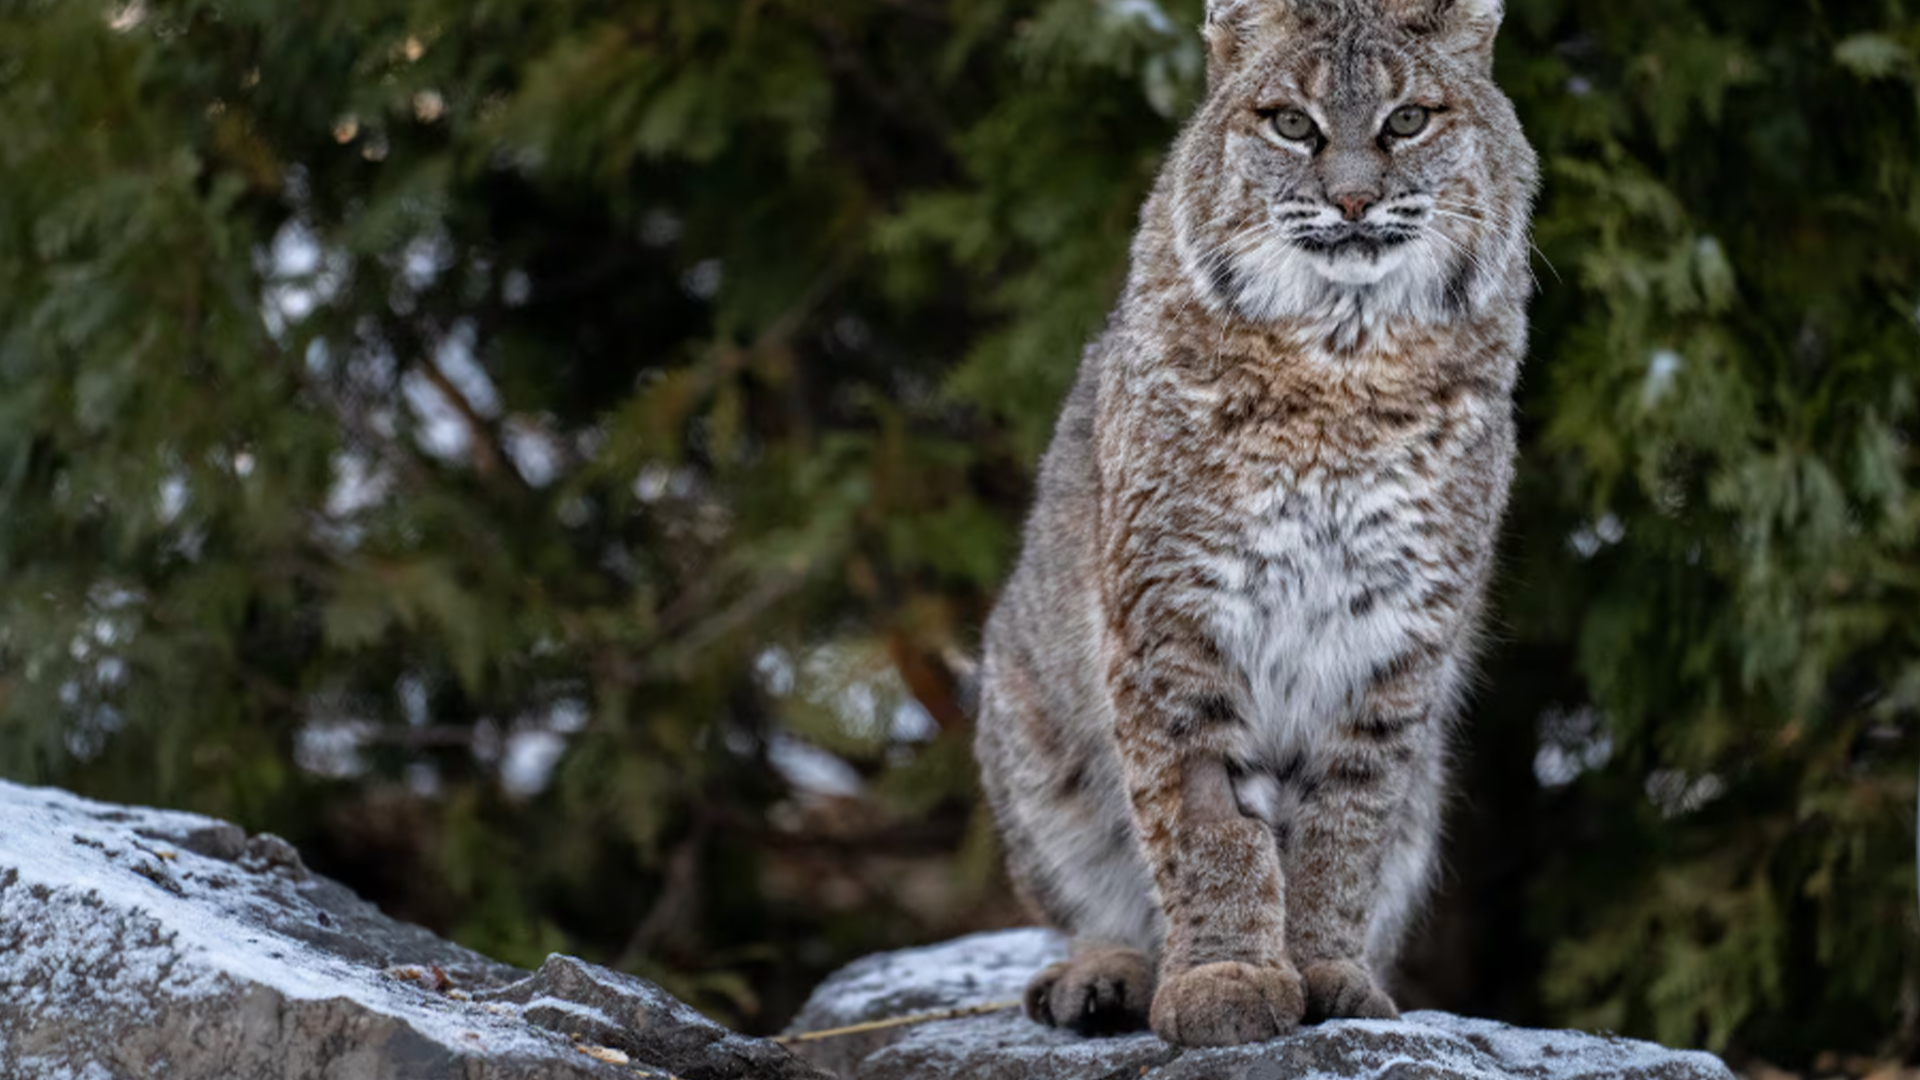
[{"x": 1334, "y": 544}]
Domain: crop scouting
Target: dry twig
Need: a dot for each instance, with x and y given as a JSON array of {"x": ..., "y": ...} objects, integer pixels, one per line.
[{"x": 898, "y": 1021}]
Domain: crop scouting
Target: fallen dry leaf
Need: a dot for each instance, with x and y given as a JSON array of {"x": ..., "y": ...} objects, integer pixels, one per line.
[{"x": 604, "y": 1053}]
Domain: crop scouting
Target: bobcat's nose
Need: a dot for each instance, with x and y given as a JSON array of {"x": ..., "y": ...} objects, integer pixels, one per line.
[{"x": 1354, "y": 204}]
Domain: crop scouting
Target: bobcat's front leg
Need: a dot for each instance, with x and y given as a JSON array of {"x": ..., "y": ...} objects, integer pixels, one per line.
[
  {"x": 1344, "y": 846},
  {"x": 1225, "y": 978}
]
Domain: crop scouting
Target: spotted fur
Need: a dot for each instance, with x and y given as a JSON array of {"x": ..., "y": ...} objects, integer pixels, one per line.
[{"x": 1218, "y": 687}]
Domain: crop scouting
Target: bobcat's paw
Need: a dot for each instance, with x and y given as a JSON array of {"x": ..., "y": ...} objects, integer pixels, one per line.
[
  {"x": 1344, "y": 990},
  {"x": 1099, "y": 992},
  {"x": 1228, "y": 1005}
]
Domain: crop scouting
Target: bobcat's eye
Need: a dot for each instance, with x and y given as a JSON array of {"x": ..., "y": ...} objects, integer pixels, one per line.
[
  {"x": 1408, "y": 121},
  {"x": 1294, "y": 125}
]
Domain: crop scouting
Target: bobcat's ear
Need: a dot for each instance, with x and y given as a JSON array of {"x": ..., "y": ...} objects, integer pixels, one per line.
[
  {"x": 1235, "y": 27},
  {"x": 1465, "y": 28}
]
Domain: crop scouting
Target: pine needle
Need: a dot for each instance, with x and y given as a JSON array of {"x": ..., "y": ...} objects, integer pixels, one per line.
[{"x": 898, "y": 1021}]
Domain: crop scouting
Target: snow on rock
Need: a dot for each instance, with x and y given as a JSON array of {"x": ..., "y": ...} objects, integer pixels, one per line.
[
  {"x": 991, "y": 968},
  {"x": 146, "y": 943}
]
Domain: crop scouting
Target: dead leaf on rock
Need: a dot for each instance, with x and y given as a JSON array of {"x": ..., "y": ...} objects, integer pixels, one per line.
[{"x": 604, "y": 1053}]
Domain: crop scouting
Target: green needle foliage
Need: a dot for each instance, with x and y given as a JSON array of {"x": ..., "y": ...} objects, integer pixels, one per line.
[{"x": 552, "y": 460}]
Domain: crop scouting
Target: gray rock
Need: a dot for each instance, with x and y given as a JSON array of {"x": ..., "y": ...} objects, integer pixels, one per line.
[
  {"x": 992, "y": 968},
  {"x": 144, "y": 943},
  {"x": 605, "y": 1008}
]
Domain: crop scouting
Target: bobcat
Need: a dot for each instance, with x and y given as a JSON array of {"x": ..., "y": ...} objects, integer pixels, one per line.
[{"x": 1217, "y": 691}]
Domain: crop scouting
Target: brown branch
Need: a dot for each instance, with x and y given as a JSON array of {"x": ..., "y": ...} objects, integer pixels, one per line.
[
  {"x": 931, "y": 682},
  {"x": 788, "y": 322},
  {"x": 490, "y": 459},
  {"x": 693, "y": 639},
  {"x": 678, "y": 902}
]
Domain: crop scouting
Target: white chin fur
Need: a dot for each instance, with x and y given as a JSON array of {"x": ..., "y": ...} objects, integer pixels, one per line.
[
  {"x": 1358, "y": 270},
  {"x": 1277, "y": 281}
]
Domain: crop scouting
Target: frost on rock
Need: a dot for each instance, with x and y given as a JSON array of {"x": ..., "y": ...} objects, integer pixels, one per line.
[
  {"x": 977, "y": 970},
  {"x": 143, "y": 943},
  {"x": 992, "y": 968}
]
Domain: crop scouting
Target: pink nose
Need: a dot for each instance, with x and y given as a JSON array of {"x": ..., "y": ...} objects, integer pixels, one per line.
[{"x": 1354, "y": 204}]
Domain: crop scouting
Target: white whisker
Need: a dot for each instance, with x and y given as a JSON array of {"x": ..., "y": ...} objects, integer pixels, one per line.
[
  {"x": 1463, "y": 217},
  {"x": 1509, "y": 220}
]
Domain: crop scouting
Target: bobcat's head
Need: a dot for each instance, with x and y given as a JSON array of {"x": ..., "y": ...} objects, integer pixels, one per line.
[{"x": 1353, "y": 163}]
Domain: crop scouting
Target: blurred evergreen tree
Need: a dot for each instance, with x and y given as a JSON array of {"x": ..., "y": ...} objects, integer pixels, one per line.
[{"x": 552, "y": 460}]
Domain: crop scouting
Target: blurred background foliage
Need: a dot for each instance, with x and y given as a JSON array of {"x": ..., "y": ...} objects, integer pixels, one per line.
[{"x": 552, "y": 459}]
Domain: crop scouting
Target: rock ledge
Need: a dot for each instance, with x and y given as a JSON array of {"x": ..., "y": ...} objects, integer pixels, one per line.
[
  {"x": 143, "y": 943},
  {"x": 1006, "y": 1046}
]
